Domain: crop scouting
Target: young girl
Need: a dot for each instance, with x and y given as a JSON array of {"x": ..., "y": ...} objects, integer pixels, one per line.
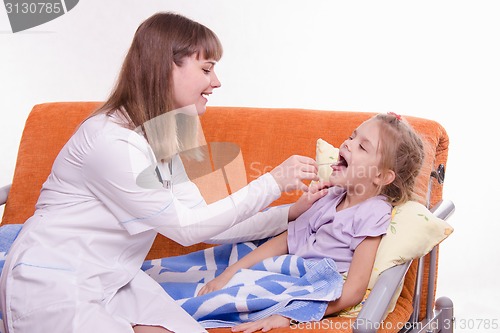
[
  {"x": 377, "y": 168},
  {"x": 117, "y": 183}
]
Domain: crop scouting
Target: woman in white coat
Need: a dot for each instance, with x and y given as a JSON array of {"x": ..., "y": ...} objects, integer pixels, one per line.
[{"x": 75, "y": 267}]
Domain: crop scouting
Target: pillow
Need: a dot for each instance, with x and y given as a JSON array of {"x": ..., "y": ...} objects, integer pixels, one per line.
[
  {"x": 326, "y": 155},
  {"x": 412, "y": 233}
]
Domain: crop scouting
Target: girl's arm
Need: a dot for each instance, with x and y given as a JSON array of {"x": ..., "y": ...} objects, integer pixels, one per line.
[
  {"x": 307, "y": 199},
  {"x": 358, "y": 277},
  {"x": 274, "y": 247},
  {"x": 352, "y": 293}
]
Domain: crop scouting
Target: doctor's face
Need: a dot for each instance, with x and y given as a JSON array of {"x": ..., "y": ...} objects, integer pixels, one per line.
[{"x": 193, "y": 81}]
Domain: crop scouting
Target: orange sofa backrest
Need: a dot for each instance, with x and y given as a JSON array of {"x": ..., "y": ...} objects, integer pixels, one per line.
[{"x": 265, "y": 136}]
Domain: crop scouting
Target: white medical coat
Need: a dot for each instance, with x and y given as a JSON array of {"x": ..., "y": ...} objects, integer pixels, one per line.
[{"x": 75, "y": 267}]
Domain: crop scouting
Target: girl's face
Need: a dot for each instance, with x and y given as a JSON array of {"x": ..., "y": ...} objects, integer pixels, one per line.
[
  {"x": 193, "y": 81},
  {"x": 359, "y": 157}
]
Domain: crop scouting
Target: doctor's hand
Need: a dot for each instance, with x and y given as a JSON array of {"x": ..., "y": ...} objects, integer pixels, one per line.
[{"x": 292, "y": 171}]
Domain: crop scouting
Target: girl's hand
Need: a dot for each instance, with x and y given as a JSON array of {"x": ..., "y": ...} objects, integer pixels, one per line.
[
  {"x": 216, "y": 284},
  {"x": 265, "y": 324},
  {"x": 292, "y": 171},
  {"x": 316, "y": 192}
]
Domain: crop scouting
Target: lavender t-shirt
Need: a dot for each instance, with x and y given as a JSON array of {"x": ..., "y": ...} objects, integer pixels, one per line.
[{"x": 322, "y": 231}]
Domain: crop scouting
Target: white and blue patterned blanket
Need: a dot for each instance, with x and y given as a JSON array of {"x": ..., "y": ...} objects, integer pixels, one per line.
[
  {"x": 288, "y": 285},
  {"x": 8, "y": 234}
]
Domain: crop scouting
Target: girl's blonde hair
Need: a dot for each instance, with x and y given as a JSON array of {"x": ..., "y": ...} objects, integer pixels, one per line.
[
  {"x": 144, "y": 89},
  {"x": 402, "y": 150}
]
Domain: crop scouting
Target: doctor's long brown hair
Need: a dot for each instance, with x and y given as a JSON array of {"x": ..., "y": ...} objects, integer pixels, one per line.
[{"x": 143, "y": 91}]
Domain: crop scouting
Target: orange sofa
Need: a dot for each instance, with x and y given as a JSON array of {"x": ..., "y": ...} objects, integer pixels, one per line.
[{"x": 265, "y": 137}]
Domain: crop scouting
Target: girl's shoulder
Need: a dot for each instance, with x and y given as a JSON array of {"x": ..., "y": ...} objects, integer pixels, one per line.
[
  {"x": 374, "y": 209},
  {"x": 377, "y": 202}
]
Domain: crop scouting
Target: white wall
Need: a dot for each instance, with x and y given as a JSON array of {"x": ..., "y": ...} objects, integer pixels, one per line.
[{"x": 433, "y": 59}]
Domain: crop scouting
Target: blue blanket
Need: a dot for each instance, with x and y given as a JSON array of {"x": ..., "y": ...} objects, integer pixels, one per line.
[
  {"x": 8, "y": 234},
  {"x": 288, "y": 285}
]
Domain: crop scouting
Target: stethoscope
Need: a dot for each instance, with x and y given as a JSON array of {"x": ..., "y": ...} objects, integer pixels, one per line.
[{"x": 167, "y": 183}]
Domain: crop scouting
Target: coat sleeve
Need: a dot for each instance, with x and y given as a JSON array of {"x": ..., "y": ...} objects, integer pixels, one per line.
[
  {"x": 261, "y": 225},
  {"x": 120, "y": 172},
  {"x": 271, "y": 222}
]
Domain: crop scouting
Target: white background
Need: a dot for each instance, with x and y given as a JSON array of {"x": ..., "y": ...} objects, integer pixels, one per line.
[{"x": 433, "y": 59}]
